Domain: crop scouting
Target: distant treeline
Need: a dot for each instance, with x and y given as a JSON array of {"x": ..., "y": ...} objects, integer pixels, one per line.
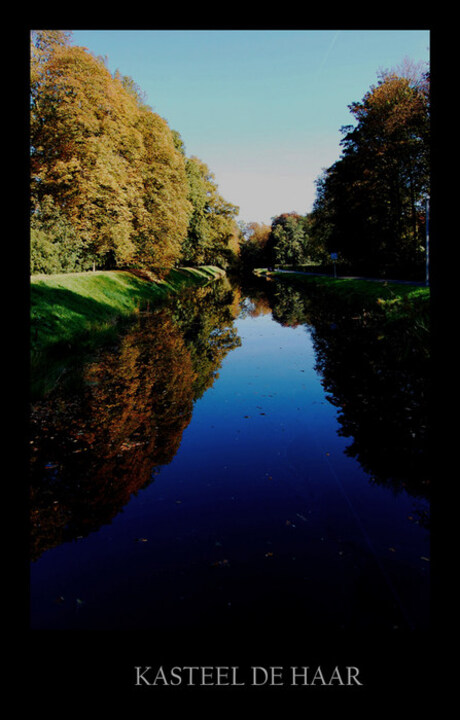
[{"x": 112, "y": 187}]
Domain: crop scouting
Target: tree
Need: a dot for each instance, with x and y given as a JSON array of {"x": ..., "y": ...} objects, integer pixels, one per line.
[
  {"x": 163, "y": 218},
  {"x": 109, "y": 163},
  {"x": 211, "y": 228},
  {"x": 54, "y": 243},
  {"x": 83, "y": 140},
  {"x": 253, "y": 248},
  {"x": 289, "y": 241},
  {"x": 369, "y": 203}
]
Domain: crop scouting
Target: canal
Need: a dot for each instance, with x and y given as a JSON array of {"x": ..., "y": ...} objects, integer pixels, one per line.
[{"x": 243, "y": 457}]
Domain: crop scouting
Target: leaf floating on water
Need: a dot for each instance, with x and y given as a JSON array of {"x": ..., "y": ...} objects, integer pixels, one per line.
[
  {"x": 221, "y": 563},
  {"x": 422, "y": 557}
]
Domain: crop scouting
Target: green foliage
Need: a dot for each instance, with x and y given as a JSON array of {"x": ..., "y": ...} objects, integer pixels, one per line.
[
  {"x": 212, "y": 221},
  {"x": 392, "y": 299},
  {"x": 114, "y": 170},
  {"x": 289, "y": 239},
  {"x": 64, "y": 307},
  {"x": 72, "y": 314},
  {"x": 285, "y": 242},
  {"x": 372, "y": 350},
  {"x": 111, "y": 183},
  {"x": 370, "y": 203},
  {"x": 54, "y": 244}
]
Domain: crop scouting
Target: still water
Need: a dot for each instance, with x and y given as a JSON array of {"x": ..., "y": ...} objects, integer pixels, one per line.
[{"x": 243, "y": 457}]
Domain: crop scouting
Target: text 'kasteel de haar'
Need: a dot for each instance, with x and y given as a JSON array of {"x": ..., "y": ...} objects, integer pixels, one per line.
[{"x": 256, "y": 676}]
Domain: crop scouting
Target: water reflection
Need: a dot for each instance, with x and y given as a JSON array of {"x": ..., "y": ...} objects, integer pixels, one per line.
[
  {"x": 105, "y": 432},
  {"x": 376, "y": 374}
]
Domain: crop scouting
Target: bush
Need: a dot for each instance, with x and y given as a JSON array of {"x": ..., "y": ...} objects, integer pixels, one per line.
[
  {"x": 43, "y": 256},
  {"x": 55, "y": 246}
]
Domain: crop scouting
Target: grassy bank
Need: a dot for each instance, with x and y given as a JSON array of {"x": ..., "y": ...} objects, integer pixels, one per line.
[
  {"x": 72, "y": 313},
  {"x": 66, "y": 308},
  {"x": 394, "y": 298},
  {"x": 399, "y": 309}
]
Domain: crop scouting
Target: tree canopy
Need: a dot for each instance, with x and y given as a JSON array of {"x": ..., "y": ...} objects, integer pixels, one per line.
[
  {"x": 113, "y": 171},
  {"x": 370, "y": 203},
  {"x": 287, "y": 241},
  {"x": 212, "y": 223},
  {"x": 112, "y": 186}
]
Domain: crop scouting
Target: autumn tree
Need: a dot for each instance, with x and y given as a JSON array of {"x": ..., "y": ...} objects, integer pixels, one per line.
[
  {"x": 206, "y": 319},
  {"x": 163, "y": 219},
  {"x": 78, "y": 152},
  {"x": 254, "y": 251},
  {"x": 211, "y": 230},
  {"x": 104, "y": 158}
]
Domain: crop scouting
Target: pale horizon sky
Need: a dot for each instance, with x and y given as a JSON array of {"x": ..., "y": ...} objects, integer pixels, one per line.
[{"x": 262, "y": 108}]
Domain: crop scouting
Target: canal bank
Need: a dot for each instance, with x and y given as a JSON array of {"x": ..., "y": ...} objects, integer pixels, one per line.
[
  {"x": 389, "y": 302},
  {"x": 73, "y": 313},
  {"x": 65, "y": 307}
]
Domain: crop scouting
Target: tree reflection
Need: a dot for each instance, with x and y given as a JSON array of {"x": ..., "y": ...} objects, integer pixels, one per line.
[
  {"x": 254, "y": 300},
  {"x": 377, "y": 374},
  {"x": 205, "y": 318},
  {"x": 106, "y": 432}
]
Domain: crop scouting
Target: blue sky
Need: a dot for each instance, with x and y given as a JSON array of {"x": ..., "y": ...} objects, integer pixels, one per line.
[{"x": 262, "y": 108}]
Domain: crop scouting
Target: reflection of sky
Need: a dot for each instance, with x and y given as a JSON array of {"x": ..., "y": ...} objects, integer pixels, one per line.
[{"x": 260, "y": 472}]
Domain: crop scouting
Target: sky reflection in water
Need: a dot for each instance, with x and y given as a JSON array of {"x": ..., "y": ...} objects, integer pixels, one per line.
[{"x": 193, "y": 480}]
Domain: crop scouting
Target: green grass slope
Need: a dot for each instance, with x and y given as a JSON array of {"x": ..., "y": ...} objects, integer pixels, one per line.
[
  {"x": 70, "y": 307},
  {"x": 73, "y": 314}
]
